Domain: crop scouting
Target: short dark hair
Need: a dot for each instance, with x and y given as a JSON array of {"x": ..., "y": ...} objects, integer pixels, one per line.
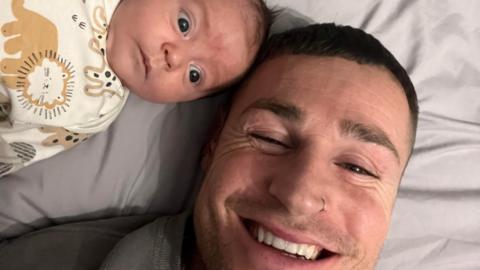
[{"x": 341, "y": 41}]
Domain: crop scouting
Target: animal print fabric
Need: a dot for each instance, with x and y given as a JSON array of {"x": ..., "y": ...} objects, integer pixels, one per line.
[{"x": 56, "y": 87}]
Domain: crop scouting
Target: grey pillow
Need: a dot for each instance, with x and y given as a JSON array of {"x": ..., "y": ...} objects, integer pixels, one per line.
[{"x": 144, "y": 163}]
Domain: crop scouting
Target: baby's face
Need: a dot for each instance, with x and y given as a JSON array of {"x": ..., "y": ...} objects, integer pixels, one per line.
[{"x": 179, "y": 50}]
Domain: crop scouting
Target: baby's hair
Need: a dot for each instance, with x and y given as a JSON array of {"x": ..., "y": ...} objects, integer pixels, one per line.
[{"x": 264, "y": 19}]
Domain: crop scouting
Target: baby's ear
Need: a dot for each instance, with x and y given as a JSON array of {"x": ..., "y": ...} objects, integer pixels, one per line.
[{"x": 208, "y": 150}]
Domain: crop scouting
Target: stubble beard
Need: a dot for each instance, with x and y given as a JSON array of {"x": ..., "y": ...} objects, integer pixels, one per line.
[{"x": 209, "y": 244}]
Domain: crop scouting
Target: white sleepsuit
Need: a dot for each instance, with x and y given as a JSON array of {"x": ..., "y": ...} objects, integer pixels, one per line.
[{"x": 56, "y": 87}]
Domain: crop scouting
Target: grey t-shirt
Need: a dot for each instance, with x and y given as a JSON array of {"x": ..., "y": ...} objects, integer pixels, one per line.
[
  {"x": 156, "y": 246},
  {"x": 133, "y": 243}
]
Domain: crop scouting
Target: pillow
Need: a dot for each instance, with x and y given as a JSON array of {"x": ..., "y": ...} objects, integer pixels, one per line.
[{"x": 144, "y": 163}]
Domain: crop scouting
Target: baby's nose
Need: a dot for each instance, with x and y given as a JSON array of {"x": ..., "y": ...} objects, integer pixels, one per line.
[
  {"x": 173, "y": 56},
  {"x": 167, "y": 58}
]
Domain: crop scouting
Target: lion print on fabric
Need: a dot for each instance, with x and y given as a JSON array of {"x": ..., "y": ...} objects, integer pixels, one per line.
[{"x": 41, "y": 77}]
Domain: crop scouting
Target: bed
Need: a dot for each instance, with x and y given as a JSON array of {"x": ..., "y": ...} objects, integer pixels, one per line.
[{"x": 147, "y": 161}]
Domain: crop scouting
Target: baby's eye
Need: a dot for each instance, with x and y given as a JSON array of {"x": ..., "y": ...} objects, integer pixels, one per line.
[
  {"x": 194, "y": 74},
  {"x": 183, "y": 23}
]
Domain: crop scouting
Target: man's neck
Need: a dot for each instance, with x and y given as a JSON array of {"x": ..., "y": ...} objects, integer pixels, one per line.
[
  {"x": 191, "y": 257},
  {"x": 195, "y": 262}
]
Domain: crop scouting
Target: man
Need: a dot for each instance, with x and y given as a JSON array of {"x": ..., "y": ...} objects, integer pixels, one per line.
[
  {"x": 303, "y": 174},
  {"x": 306, "y": 169}
]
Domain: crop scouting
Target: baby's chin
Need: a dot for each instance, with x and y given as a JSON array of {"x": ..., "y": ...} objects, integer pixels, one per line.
[
  {"x": 158, "y": 94},
  {"x": 155, "y": 96},
  {"x": 134, "y": 85},
  {"x": 145, "y": 94}
]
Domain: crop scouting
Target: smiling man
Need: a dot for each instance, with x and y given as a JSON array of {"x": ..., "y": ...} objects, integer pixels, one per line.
[
  {"x": 306, "y": 169},
  {"x": 303, "y": 173}
]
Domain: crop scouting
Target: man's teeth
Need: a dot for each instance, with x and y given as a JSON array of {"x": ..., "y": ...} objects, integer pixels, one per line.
[{"x": 310, "y": 252}]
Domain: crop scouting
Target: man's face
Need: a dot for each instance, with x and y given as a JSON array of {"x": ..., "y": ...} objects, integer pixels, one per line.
[
  {"x": 179, "y": 50},
  {"x": 309, "y": 162}
]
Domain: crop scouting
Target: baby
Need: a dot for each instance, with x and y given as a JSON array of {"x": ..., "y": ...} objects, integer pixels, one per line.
[{"x": 67, "y": 66}]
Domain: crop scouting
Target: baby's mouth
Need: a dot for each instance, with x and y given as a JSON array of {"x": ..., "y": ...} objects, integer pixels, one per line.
[
  {"x": 145, "y": 63},
  {"x": 298, "y": 251}
]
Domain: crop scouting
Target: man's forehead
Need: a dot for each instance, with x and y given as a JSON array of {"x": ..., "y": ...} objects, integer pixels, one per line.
[
  {"x": 320, "y": 68},
  {"x": 312, "y": 87},
  {"x": 296, "y": 74}
]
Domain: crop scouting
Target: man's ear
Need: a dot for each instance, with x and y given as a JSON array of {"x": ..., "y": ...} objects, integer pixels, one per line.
[{"x": 208, "y": 150}]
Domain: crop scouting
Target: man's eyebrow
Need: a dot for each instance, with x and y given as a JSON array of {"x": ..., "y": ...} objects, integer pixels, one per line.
[
  {"x": 369, "y": 134},
  {"x": 282, "y": 109}
]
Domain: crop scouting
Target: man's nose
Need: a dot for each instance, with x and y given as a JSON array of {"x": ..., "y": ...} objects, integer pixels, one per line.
[{"x": 302, "y": 186}]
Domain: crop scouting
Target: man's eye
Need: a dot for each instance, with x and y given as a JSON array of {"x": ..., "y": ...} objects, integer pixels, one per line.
[
  {"x": 356, "y": 169},
  {"x": 268, "y": 140},
  {"x": 183, "y": 22},
  {"x": 268, "y": 145},
  {"x": 194, "y": 74}
]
